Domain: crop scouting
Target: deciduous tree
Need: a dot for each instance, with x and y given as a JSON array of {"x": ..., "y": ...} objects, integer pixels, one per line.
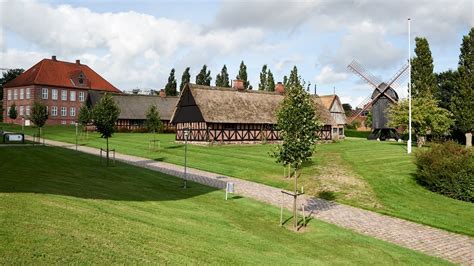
[
  {"x": 185, "y": 79},
  {"x": 270, "y": 86},
  {"x": 153, "y": 121},
  {"x": 105, "y": 114},
  {"x": 204, "y": 76},
  {"x": 84, "y": 117},
  {"x": 423, "y": 78},
  {"x": 13, "y": 113},
  {"x": 263, "y": 79},
  {"x": 39, "y": 115},
  {"x": 170, "y": 88},
  {"x": 222, "y": 79},
  {"x": 243, "y": 75},
  {"x": 7, "y": 76}
]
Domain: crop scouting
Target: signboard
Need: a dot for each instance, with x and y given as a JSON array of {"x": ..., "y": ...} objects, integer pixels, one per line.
[
  {"x": 229, "y": 188},
  {"x": 27, "y": 123},
  {"x": 15, "y": 137}
]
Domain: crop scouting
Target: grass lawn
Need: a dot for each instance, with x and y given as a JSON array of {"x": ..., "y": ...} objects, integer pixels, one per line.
[
  {"x": 373, "y": 175},
  {"x": 60, "y": 206}
]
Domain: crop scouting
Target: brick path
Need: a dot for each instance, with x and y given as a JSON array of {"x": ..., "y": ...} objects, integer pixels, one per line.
[{"x": 450, "y": 246}]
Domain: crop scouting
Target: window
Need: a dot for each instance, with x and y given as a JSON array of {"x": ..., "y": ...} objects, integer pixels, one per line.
[
  {"x": 22, "y": 94},
  {"x": 72, "y": 111},
  {"x": 28, "y": 93},
  {"x": 15, "y": 94},
  {"x": 9, "y": 95},
  {"x": 8, "y": 110},
  {"x": 54, "y": 111},
  {"x": 72, "y": 96},
  {"x": 63, "y": 111},
  {"x": 341, "y": 132},
  {"x": 334, "y": 130},
  {"x": 22, "y": 110},
  {"x": 54, "y": 94},
  {"x": 81, "y": 96},
  {"x": 28, "y": 110},
  {"x": 64, "y": 95},
  {"x": 44, "y": 93},
  {"x": 63, "y": 122}
]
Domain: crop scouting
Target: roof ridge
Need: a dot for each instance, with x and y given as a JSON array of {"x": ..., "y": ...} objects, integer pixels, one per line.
[
  {"x": 39, "y": 70},
  {"x": 230, "y": 89}
]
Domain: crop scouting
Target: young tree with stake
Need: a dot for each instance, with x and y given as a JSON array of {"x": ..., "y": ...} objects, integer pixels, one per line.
[
  {"x": 105, "y": 114},
  {"x": 153, "y": 121},
  {"x": 84, "y": 117},
  {"x": 39, "y": 115},
  {"x": 13, "y": 113},
  {"x": 298, "y": 124}
]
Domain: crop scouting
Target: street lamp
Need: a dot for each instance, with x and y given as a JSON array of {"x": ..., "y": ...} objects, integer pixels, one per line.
[
  {"x": 76, "y": 124},
  {"x": 186, "y": 134},
  {"x": 409, "y": 90}
]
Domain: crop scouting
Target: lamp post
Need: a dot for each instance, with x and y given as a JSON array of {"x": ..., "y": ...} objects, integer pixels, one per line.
[
  {"x": 186, "y": 134},
  {"x": 76, "y": 124},
  {"x": 409, "y": 91},
  {"x": 22, "y": 124}
]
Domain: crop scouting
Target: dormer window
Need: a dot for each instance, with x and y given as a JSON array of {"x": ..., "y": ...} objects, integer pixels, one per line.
[{"x": 81, "y": 80}]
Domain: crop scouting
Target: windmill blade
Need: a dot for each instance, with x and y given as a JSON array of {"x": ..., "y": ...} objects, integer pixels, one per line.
[
  {"x": 400, "y": 76},
  {"x": 364, "y": 73},
  {"x": 366, "y": 103}
]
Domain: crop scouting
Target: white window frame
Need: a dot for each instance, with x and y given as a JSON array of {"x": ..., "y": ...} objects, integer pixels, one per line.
[
  {"x": 63, "y": 111},
  {"x": 54, "y": 94},
  {"x": 22, "y": 110},
  {"x": 22, "y": 94},
  {"x": 28, "y": 93},
  {"x": 54, "y": 111},
  {"x": 63, "y": 95},
  {"x": 9, "y": 93},
  {"x": 27, "y": 110},
  {"x": 15, "y": 94},
  {"x": 72, "y": 111},
  {"x": 82, "y": 96},
  {"x": 63, "y": 122},
  {"x": 8, "y": 110},
  {"x": 72, "y": 96},
  {"x": 44, "y": 93}
]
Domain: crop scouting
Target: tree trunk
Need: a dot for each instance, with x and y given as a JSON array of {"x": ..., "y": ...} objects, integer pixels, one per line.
[
  {"x": 107, "y": 139},
  {"x": 294, "y": 201},
  {"x": 420, "y": 141},
  {"x": 468, "y": 140}
]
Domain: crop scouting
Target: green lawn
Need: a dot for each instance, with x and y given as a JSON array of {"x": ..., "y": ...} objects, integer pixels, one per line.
[
  {"x": 61, "y": 206},
  {"x": 373, "y": 175}
]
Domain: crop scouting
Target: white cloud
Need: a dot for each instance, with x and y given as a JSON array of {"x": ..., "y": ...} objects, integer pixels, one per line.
[{"x": 328, "y": 76}]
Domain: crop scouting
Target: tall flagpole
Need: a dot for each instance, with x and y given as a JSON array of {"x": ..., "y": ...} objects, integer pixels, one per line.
[{"x": 409, "y": 90}]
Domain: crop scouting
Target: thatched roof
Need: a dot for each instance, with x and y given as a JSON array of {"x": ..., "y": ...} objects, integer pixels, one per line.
[
  {"x": 135, "y": 106},
  {"x": 227, "y": 105},
  {"x": 327, "y": 100}
]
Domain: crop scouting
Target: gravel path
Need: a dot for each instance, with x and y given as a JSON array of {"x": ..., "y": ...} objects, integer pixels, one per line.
[{"x": 450, "y": 246}]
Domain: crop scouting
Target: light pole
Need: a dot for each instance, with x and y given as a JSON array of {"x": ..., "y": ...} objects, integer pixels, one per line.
[
  {"x": 23, "y": 124},
  {"x": 186, "y": 134},
  {"x": 76, "y": 134},
  {"x": 409, "y": 90}
]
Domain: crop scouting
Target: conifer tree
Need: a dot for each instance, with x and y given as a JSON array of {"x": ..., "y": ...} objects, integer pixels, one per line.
[
  {"x": 185, "y": 79},
  {"x": 204, "y": 76},
  {"x": 263, "y": 79},
  {"x": 243, "y": 75},
  {"x": 170, "y": 88},
  {"x": 423, "y": 78}
]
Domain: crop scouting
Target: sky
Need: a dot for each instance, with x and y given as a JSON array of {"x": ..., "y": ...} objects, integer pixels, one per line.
[{"x": 135, "y": 44}]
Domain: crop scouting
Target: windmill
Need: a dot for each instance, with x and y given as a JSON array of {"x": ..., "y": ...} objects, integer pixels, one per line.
[{"x": 384, "y": 95}]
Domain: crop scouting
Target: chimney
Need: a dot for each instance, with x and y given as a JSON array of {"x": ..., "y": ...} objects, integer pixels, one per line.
[
  {"x": 53, "y": 58},
  {"x": 162, "y": 93},
  {"x": 78, "y": 61},
  {"x": 280, "y": 88},
  {"x": 238, "y": 84}
]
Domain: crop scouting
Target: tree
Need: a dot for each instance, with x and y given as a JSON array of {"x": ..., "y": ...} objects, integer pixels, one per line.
[
  {"x": 7, "y": 76},
  {"x": 263, "y": 79},
  {"x": 84, "y": 117},
  {"x": 427, "y": 117},
  {"x": 297, "y": 123},
  {"x": 243, "y": 75},
  {"x": 13, "y": 113},
  {"x": 204, "y": 77},
  {"x": 185, "y": 79},
  {"x": 39, "y": 115},
  {"x": 270, "y": 86},
  {"x": 153, "y": 121},
  {"x": 105, "y": 114},
  {"x": 462, "y": 101},
  {"x": 170, "y": 88},
  {"x": 347, "y": 108},
  {"x": 447, "y": 83},
  {"x": 285, "y": 81},
  {"x": 423, "y": 78},
  {"x": 222, "y": 79}
]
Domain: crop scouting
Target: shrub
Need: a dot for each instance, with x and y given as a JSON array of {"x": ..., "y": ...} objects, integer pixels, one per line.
[{"x": 448, "y": 169}]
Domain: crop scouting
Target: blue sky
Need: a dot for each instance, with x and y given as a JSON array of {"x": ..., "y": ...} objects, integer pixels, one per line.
[{"x": 134, "y": 44}]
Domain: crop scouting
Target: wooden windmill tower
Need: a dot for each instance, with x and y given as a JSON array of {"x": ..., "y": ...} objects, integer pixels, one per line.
[{"x": 384, "y": 95}]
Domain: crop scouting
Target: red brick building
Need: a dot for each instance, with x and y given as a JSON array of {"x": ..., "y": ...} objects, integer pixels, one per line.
[{"x": 62, "y": 86}]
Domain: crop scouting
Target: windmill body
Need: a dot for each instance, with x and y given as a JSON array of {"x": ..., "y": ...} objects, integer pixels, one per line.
[{"x": 383, "y": 95}]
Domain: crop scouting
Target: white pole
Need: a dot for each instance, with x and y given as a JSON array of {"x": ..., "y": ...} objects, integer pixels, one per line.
[{"x": 409, "y": 90}]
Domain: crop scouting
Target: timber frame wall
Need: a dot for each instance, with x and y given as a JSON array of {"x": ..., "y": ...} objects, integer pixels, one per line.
[
  {"x": 229, "y": 132},
  {"x": 132, "y": 124}
]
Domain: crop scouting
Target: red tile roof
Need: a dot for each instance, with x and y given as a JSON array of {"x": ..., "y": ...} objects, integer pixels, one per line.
[{"x": 50, "y": 72}]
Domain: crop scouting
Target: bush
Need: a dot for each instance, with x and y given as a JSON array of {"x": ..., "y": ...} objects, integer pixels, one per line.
[{"x": 448, "y": 169}]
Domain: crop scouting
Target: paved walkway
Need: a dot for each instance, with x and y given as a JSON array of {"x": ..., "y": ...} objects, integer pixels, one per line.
[{"x": 450, "y": 246}]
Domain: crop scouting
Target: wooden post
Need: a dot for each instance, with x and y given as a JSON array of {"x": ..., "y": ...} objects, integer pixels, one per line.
[
  {"x": 281, "y": 208},
  {"x": 295, "y": 214},
  {"x": 304, "y": 215},
  {"x": 107, "y": 139}
]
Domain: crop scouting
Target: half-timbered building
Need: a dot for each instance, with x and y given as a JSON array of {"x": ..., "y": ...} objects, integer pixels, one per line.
[
  {"x": 334, "y": 105},
  {"x": 215, "y": 114}
]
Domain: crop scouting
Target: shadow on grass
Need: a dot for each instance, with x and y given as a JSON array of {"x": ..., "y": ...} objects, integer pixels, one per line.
[
  {"x": 49, "y": 170},
  {"x": 327, "y": 195}
]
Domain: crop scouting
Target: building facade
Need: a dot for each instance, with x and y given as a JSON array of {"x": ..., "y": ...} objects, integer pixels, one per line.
[{"x": 62, "y": 86}]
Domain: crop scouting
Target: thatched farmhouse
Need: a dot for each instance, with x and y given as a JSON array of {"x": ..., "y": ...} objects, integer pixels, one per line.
[
  {"x": 133, "y": 109},
  {"x": 334, "y": 105},
  {"x": 236, "y": 115}
]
